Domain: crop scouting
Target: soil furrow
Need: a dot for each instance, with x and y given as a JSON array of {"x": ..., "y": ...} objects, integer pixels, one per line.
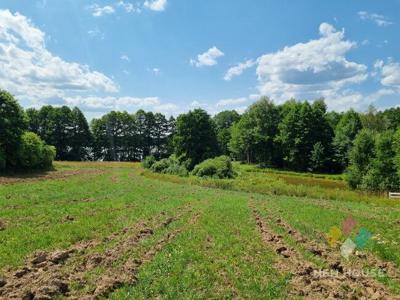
[
  {"x": 309, "y": 281},
  {"x": 46, "y": 275}
]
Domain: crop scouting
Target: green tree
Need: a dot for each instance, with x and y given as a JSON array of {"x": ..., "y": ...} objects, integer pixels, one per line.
[
  {"x": 373, "y": 120},
  {"x": 360, "y": 157},
  {"x": 12, "y": 125},
  {"x": 255, "y": 134},
  {"x": 195, "y": 137},
  {"x": 224, "y": 121},
  {"x": 382, "y": 175},
  {"x": 345, "y": 132},
  {"x": 80, "y": 141},
  {"x": 392, "y": 118}
]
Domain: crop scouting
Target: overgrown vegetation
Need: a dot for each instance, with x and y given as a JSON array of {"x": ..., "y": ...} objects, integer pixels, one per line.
[
  {"x": 19, "y": 149},
  {"x": 219, "y": 167}
]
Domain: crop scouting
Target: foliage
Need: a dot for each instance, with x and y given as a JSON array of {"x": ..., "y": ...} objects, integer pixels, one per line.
[
  {"x": 195, "y": 137},
  {"x": 149, "y": 161},
  {"x": 64, "y": 128},
  {"x": 302, "y": 127},
  {"x": 2, "y": 160},
  {"x": 253, "y": 136},
  {"x": 170, "y": 165},
  {"x": 373, "y": 162},
  {"x": 224, "y": 121},
  {"x": 361, "y": 156},
  {"x": 219, "y": 167},
  {"x": 12, "y": 125},
  {"x": 120, "y": 136},
  {"x": 33, "y": 153},
  {"x": 345, "y": 132}
]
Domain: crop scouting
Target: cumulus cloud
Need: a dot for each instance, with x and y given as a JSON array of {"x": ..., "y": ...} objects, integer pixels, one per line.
[
  {"x": 310, "y": 70},
  {"x": 156, "y": 71},
  {"x": 107, "y": 103},
  {"x": 238, "y": 69},
  {"x": 99, "y": 11},
  {"x": 129, "y": 7},
  {"x": 29, "y": 70},
  {"x": 96, "y": 33},
  {"x": 231, "y": 102},
  {"x": 379, "y": 20},
  {"x": 389, "y": 72},
  {"x": 125, "y": 57},
  {"x": 208, "y": 58},
  {"x": 156, "y": 5}
]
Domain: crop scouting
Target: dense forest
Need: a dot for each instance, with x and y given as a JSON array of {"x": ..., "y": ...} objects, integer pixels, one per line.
[{"x": 299, "y": 136}]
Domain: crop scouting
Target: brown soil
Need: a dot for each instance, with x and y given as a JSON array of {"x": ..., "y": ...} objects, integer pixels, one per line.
[
  {"x": 309, "y": 281},
  {"x": 46, "y": 176},
  {"x": 332, "y": 255},
  {"x": 62, "y": 273}
]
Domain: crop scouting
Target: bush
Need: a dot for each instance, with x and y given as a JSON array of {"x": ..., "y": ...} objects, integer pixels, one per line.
[
  {"x": 160, "y": 166},
  {"x": 149, "y": 161},
  {"x": 34, "y": 153},
  {"x": 219, "y": 167},
  {"x": 171, "y": 165},
  {"x": 48, "y": 155}
]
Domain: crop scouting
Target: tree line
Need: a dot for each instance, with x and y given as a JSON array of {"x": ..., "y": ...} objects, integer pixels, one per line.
[{"x": 299, "y": 136}]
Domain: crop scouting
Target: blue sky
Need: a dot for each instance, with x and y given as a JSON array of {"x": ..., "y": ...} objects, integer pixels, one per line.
[{"x": 175, "y": 55}]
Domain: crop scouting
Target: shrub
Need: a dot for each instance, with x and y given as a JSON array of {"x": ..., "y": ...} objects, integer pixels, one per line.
[
  {"x": 160, "y": 166},
  {"x": 149, "y": 161},
  {"x": 219, "y": 167},
  {"x": 34, "y": 153},
  {"x": 170, "y": 165},
  {"x": 48, "y": 155},
  {"x": 30, "y": 152}
]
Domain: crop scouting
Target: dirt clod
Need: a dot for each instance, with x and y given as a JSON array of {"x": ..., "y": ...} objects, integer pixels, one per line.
[
  {"x": 39, "y": 257},
  {"x": 3, "y": 282},
  {"x": 69, "y": 218},
  {"x": 60, "y": 256},
  {"x": 2, "y": 225},
  {"x": 22, "y": 272},
  {"x": 337, "y": 266}
]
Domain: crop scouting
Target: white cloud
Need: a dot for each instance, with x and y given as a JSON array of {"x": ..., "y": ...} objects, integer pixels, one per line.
[
  {"x": 30, "y": 71},
  {"x": 389, "y": 72},
  {"x": 379, "y": 20},
  {"x": 238, "y": 69},
  {"x": 365, "y": 42},
  {"x": 99, "y": 11},
  {"x": 317, "y": 68},
  {"x": 106, "y": 103},
  {"x": 230, "y": 102},
  {"x": 208, "y": 58},
  {"x": 156, "y": 5},
  {"x": 129, "y": 7},
  {"x": 156, "y": 71},
  {"x": 125, "y": 57},
  {"x": 96, "y": 33},
  {"x": 130, "y": 104}
]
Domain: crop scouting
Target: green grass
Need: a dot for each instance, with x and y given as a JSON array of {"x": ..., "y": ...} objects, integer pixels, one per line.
[{"x": 217, "y": 253}]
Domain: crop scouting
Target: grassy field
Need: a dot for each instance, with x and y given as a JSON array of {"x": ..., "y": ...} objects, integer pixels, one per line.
[{"x": 113, "y": 230}]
